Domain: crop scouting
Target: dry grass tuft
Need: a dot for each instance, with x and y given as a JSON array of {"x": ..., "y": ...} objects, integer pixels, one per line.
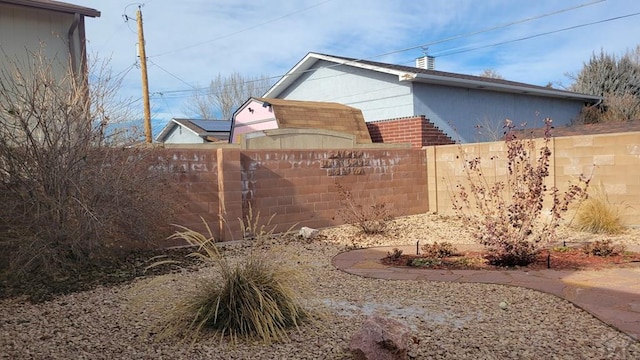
[
  {"x": 257, "y": 297},
  {"x": 599, "y": 216}
]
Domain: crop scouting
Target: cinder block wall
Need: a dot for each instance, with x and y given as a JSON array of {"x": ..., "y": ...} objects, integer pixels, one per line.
[
  {"x": 613, "y": 161},
  {"x": 297, "y": 187},
  {"x": 417, "y": 130},
  {"x": 195, "y": 172}
]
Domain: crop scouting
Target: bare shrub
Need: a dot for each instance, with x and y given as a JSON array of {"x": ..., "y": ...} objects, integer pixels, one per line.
[
  {"x": 603, "y": 248},
  {"x": 69, "y": 197},
  {"x": 438, "y": 250},
  {"x": 371, "y": 219},
  {"x": 505, "y": 215},
  {"x": 617, "y": 79},
  {"x": 614, "y": 108}
]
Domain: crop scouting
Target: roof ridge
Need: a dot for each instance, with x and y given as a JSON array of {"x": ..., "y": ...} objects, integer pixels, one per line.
[{"x": 445, "y": 73}]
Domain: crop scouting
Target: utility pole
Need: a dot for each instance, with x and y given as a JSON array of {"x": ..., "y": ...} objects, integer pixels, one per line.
[{"x": 145, "y": 80}]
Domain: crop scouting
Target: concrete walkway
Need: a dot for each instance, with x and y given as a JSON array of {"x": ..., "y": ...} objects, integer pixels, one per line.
[{"x": 611, "y": 295}]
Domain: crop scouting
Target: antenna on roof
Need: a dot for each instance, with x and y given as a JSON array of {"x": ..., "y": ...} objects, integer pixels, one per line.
[{"x": 426, "y": 61}]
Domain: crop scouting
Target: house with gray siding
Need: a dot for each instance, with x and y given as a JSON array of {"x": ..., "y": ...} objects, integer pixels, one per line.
[{"x": 467, "y": 108}]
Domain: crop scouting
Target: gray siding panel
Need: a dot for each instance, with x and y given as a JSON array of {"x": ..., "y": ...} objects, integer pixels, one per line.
[
  {"x": 460, "y": 110},
  {"x": 378, "y": 95},
  {"x": 24, "y": 31}
]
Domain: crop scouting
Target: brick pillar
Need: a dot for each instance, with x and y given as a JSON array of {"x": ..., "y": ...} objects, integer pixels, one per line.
[{"x": 229, "y": 194}]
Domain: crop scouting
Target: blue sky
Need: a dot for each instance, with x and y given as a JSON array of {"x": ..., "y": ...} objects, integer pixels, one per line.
[{"x": 189, "y": 42}]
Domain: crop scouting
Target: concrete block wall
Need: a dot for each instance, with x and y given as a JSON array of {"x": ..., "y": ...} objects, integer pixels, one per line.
[
  {"x": 195, "y": 172},
  {"x": 299, "y": 186},
  {"x": 418, "y": 131},
  {"x": 612, "y": 161}
]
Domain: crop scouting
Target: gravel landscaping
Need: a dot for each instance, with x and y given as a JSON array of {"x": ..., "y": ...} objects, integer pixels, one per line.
[{"x": 448, "y": 320}]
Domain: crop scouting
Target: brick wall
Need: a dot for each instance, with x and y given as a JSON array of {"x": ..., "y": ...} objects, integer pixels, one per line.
[
  {"x": 297, "y": 187},
  {"x": 417, "y": 130}
]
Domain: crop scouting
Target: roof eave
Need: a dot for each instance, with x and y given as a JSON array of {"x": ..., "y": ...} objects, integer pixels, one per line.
[
  {"x": 56, "y": 6},
  {"x": 171, "y": 125},
  {"x": 166, "y": 130},
  {"x": 307, "y": 62},
  {"x": 485, "y": 85}
]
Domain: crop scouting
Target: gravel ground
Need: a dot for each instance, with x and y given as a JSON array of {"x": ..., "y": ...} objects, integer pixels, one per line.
[{"x": 449, "y": 320}]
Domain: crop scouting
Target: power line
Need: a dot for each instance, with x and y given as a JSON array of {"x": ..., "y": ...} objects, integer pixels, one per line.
[
  {"x": 537, "y": 35},
  {"x": 409, "y": 48},
  {"x": 243, "y": 30},
  {"x": 172, "y": 75},
  {"x": 456, "y": 37}
]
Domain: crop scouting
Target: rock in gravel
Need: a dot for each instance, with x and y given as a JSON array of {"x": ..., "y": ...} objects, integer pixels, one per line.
[
  {"x": 381, "y": 338},
  {"x": 308, "y": 233}
]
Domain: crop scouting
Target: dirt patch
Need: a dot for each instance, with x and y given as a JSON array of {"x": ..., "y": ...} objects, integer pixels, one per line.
[
  {"x": 107, "y": 272},
  {"x": 557, "y": 259}
]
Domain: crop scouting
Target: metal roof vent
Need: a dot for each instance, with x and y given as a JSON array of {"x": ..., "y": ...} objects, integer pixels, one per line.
[{"x": 426, "y": 62}]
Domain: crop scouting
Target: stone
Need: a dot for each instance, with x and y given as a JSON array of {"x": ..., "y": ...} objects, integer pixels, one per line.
[
  {"x": 307, "y": 233},
  {"x": 381, "y": 338}
]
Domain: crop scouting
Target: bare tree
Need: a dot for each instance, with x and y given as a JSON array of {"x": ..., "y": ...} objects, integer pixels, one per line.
[
  {"x": 489, "y": 130},
  {"x": 491, "y": 74},
  {"x": 225, "y": 94},
  {"x": 608, "y": 74},
  {"x": 68, "y": 195}
]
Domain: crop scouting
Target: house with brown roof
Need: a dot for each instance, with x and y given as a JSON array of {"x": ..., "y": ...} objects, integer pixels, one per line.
[
  {"x": 457, "y": 104},
  {"x": 194, "y": 131},
  {"x": 259, "y": 117}
]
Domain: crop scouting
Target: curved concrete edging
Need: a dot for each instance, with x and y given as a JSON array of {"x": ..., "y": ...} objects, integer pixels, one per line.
[{"x": 611, "y": 295}]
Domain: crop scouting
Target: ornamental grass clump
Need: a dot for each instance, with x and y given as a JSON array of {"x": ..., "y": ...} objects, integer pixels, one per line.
[
  {"x": 255, "y": 297},
  {"x": 598, "y": 216},
  {"x": 507, "y": 215}
]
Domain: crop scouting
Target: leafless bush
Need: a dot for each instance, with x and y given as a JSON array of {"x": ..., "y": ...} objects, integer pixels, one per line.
[
  {"x": 371, "y": 219},
  {"x": 505, "y": 215},
  {"x": 614, "y": 108},
  {"x": 69, "y": 197}
]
